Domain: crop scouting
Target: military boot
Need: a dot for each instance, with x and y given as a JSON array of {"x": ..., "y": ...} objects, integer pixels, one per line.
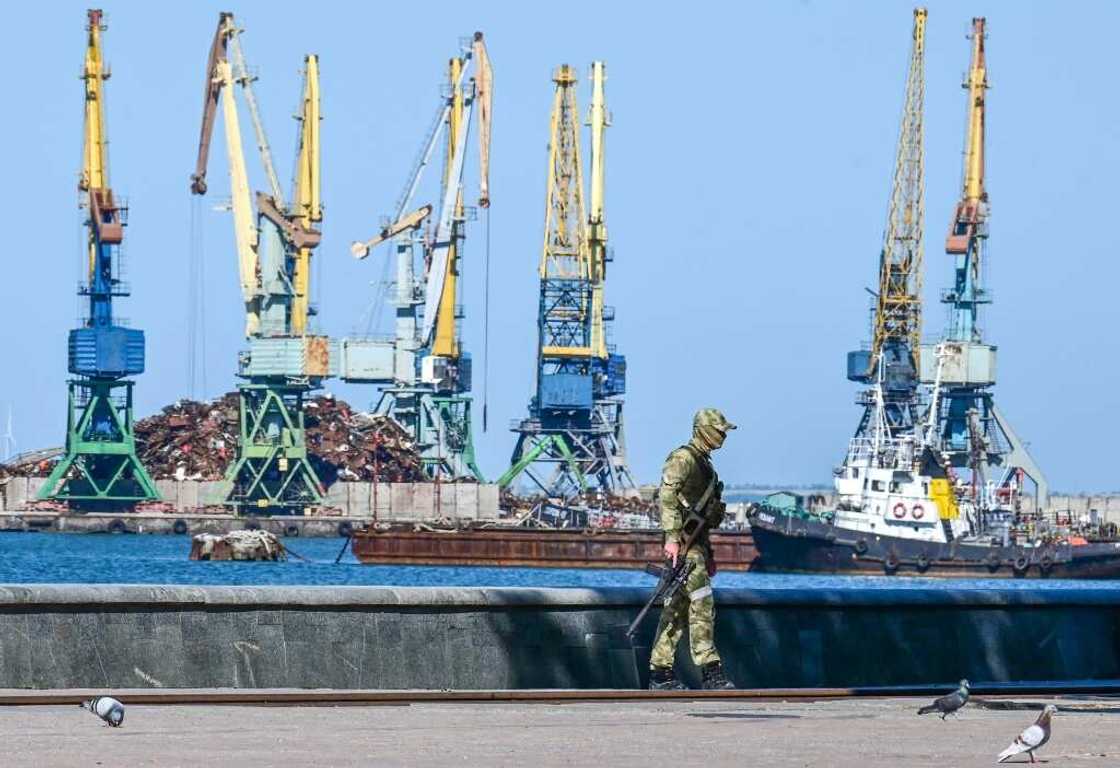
[
  {"x": 662, "y": 679},
  {"x": 714, "y": 679}
]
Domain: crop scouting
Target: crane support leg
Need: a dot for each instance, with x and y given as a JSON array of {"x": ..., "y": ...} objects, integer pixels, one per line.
[
  {"x": 100, "y": 469},
  {"x": 272, "y": 471}
]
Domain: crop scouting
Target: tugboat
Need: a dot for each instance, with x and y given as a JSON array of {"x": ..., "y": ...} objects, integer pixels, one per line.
[{"x": 901, "y": 511}]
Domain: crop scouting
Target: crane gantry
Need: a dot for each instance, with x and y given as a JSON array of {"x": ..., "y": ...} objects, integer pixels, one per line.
[
  {"x": 974, "y": 434},
  {"x": 424, "y": 371},
  {"x": 893, "y": 360},
  {"x": 575, "y": 427},
  {"x": 100, "y": 467},
  {"x": 273, "y": 245}
]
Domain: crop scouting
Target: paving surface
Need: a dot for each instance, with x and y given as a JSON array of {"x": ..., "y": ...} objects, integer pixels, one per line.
[{"x": 836, "y": 734}]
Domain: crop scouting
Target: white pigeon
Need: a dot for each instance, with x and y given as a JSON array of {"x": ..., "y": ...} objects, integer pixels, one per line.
[
  {"x": 1033, "y": 737},
  {"x": 107, "y": 708}
]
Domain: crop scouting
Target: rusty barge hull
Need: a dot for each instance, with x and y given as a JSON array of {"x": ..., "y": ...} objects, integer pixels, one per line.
[{"x": 537, "y": 548}]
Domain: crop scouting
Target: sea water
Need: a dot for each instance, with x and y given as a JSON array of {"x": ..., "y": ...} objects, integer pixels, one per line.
[{"x": 53, "y": 558}]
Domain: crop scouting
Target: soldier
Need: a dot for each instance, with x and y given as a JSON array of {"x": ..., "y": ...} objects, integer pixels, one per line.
[{"x": 689, "y": 485}]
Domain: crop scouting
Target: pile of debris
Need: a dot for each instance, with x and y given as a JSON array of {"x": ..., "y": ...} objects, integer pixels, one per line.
[
  {"x": 592, "y": 509},
  {"x": 31, "y": 464},
  {"x": 190, "y": 440}
]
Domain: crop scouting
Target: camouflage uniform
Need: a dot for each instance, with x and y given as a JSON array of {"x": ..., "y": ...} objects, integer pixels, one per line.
[{"x": 687, "y": 474}]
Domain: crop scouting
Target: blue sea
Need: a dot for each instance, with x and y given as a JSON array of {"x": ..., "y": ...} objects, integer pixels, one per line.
[{"x": 51, "y": 558}]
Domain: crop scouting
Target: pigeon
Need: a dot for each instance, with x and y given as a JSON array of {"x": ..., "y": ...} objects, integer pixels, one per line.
[
  {"x": 949, "y": 703},
  {"x": 107, "y": 708},
  {"x": 1033, "y": 737}
]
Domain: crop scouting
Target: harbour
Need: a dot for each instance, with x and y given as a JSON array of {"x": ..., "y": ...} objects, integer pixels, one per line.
[{"x": 324, "y": 442}]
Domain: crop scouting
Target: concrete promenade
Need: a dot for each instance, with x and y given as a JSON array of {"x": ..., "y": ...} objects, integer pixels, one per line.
[{"x": 850, "y": 733}]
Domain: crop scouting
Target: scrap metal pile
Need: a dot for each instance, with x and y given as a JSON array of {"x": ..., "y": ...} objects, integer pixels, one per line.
[
  {"x": 197, "y": 441},
  {"x": 592, "y": 509}
]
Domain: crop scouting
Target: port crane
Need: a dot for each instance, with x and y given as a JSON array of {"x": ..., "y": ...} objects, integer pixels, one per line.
[
  {"x": 974, "y": 434},
  {"x": 285, "y": 361},
  {"x": 892, "y": 363},
  {"x": 100, "y": 468},
  {"x": 424, "y": 370},
  {"x": 572, "y": 441}
]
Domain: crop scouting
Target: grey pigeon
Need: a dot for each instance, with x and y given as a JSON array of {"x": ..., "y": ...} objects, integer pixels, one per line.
[
  {"x": 107, "y": 708},
  {"x": 1033, "y": 737},
  {"x": 949, "y": 703}
]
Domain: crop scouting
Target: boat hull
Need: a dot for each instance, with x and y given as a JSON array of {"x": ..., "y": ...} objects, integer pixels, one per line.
[
  {"x": 792, "y": 544},
  {"x": 536, "y": 547}
]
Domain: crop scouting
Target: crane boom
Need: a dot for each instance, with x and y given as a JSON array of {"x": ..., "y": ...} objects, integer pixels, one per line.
[
  {"x": 596, "y": 222},
  {"x": 898, "y": 316},
  {"x": 968, "y": 229},
  {"x": 245, "y": 80},
  {"x": 404, "y": 224},
  {"x": 219, "y": 87},
  {"x": 95, "y": 165},
  {"x": 308, "y": 208}
]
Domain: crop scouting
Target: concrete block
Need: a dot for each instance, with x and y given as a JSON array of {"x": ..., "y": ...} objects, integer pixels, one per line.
[
  {"x": 189, "y": 495},
  {"x": 360, "y": 497},
  {"x": 423, "y": 502},
  {"x": 169, "y": 492},
  {"x": 488, "y": 502},
  {"x": 401, "y": 505},
  {"x": 338, "y": 495},
  {"x": 444, "y": 499},
  {"x": 382, "y": 503},
  {"x": 211, "y": 493},
  {"x": 466, "y": 501}
]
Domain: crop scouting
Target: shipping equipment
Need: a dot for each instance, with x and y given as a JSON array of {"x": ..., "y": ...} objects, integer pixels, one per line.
[
  {"x": 285, "y": 361},
  {"x": 973, "y": 433},
  {"x": 100, "y": 468},
  {"x": 893, "y": 359},
  {"x": 424, "y": 370},
  {"x": 573, "y": 439}
]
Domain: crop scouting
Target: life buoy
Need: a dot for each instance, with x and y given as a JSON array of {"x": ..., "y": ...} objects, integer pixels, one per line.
[
  {"x": 861, "y": 546},
  {"x": 923, "y": 562},
  {"x": 1020, "y": 564},
  {"x": 179, "y": 526},
  {"x": 890, "y": 563},
  {"x": 917, "y": 512},
  {"x": 899, "y": 510}
]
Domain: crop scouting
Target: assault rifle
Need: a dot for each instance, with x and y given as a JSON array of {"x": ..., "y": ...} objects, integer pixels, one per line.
[{"x": 672, "y": 576}]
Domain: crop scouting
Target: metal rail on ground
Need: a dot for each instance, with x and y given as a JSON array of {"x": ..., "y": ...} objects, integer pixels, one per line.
[{"x": 305, "y": 697}]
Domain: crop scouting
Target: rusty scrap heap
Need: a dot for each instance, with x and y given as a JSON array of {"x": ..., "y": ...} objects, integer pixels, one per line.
[{"x": 193, "y": 440}]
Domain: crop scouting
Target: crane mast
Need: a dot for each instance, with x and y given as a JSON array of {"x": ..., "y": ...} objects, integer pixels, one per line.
[
  {"x": 424, "y": 371},
  {"x": 573, "y": 439},
  {"x": 100, "y": 468},
  {"x": 973, "y": 433},
  {"x": 273, "y": 245},
  {"x": 893, "y": 361}
]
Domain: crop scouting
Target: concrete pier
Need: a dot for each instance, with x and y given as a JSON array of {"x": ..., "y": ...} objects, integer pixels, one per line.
[{"x": 357, "y": 637}]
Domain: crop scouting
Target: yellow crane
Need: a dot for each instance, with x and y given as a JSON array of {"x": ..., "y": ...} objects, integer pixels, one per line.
[
  {"x": 100, "y": 465},
  {"x": 273, "y": 244}
]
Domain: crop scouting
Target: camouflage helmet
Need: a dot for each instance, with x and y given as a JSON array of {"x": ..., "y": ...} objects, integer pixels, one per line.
[{"x": 712, "y": 417}]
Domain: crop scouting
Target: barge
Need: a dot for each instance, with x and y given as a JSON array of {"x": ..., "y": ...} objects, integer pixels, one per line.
[{"x": 496, "y": 545}]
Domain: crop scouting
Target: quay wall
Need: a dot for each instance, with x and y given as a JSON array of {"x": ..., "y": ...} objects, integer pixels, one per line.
[
  {"x": 197, "y": 504},
  {"x": 122, "y": 636}
]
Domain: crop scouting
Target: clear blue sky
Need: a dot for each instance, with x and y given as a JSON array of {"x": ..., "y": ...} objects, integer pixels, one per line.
[{"x": 748, "y": 172}]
